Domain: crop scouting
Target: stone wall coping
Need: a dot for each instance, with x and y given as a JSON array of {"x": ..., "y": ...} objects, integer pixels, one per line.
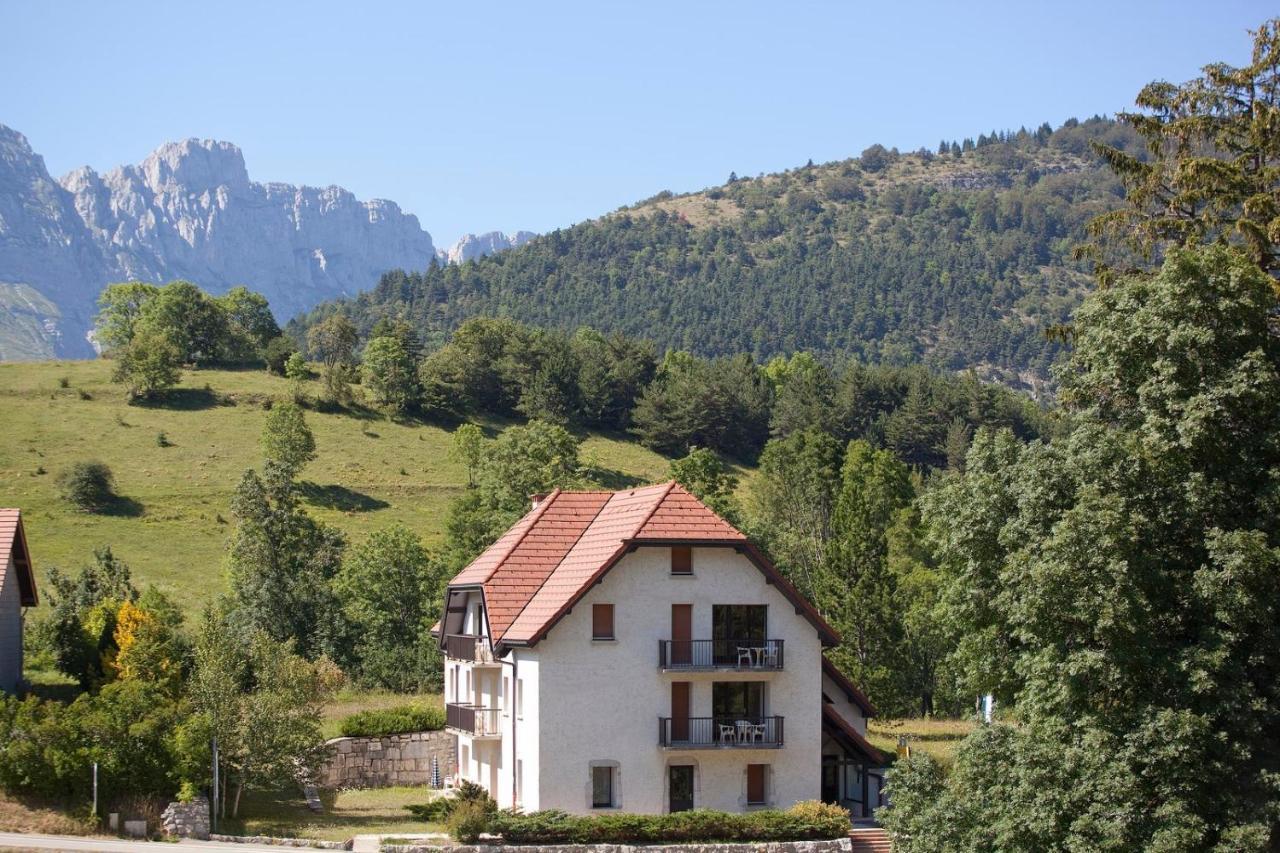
[
  {"x": 281, "y": 842},
  {"x": 833, "y": 845}
]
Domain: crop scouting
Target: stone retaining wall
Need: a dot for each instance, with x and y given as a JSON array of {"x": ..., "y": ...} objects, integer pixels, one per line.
[
  {"x": 835, "y": 845},
  {"x": 380, "y": 762},
  {"x": 187, "y": 820}
]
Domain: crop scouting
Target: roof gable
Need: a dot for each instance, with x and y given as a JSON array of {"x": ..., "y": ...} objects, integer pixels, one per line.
[
  {"x": 534, "y": 573},
  {"x": 850, "y": 690},
  {"x": 13, "y": 543}
]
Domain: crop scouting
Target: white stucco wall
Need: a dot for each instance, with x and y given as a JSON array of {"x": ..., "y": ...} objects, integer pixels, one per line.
[
  {"x": 850, "y": 712},
  {"x": 601, "y": 701},
  {"x": 10, "y": 628}
]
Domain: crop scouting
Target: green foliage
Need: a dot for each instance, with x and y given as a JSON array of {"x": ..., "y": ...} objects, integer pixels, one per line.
[
  {"x": 1209, "y": 172},
  {"x": 280, "y": 561},
  {"x": 803, "y": 821},
  {"x": 467, "y": 447},
  {"x": 704, "y": 474},
  {"x": 333, "y": 341},
  {"x": 391, "y": 592},
  {"x": 79, "y": 630},
  {"x": 1130, "y": 575},
  {"x": 389, "y": 374},
  {"x": 286, "y": 439},
  {"x": 263, "y": 704},
  {"x": 953, "y": 263},
  {"x": 278, "y": 352},
  {"x": 252, "y": 333},
  {"x": 48, "y": 749},
  {"x": 401, "y": 719},
  {"x": 149, "y": 364},
  {"x": 120, "y": 307},
  {"x": 856, "y": 591},
  {"x": 89, "y": 486}
]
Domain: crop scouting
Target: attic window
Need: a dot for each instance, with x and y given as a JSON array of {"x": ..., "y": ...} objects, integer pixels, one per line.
[
  {"x": 602, "y": 621},
  {"x": 682, "y": 561}
]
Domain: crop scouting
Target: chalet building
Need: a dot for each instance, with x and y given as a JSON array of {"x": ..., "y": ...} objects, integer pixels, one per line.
[
  {"x": 632, "y": 651},
  {"x": 17, "y": 590}
]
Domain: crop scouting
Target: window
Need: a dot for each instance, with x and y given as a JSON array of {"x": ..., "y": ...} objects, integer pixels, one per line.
[
  {"x": 734, "y": 626},
  {"x": 602, "y": 621},
  {"x": 520, "y": 698},
  {"x": 519, "y": 779},
  {"x": 756, "y": 784},
  {"x": 464, "y": 763},
  {"x": 602, "y": 785},
  {"x": 682, "y": 561},
  {"x": 738, "y": 699},
  {"x": 506, "y": 691}
]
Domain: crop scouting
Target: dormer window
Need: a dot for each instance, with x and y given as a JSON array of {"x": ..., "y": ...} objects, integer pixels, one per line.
[{"x": 682, "y": 560}]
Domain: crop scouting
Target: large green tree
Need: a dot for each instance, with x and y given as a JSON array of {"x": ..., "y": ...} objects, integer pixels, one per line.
[{"x": 1120, "y": 588}]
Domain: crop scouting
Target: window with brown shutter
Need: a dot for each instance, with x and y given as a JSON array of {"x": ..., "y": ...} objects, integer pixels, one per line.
[
  {"x": 755, "y": 784},
  {"x": 602, "y": 621},
  {"x": 682, "y": 561}
]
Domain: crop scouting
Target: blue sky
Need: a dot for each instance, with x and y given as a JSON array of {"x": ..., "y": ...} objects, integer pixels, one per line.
[{"x": 503, "y": 115}]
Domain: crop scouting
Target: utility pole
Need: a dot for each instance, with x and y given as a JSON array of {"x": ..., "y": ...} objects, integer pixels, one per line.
[
  {"x": 95, "y": 789},
  {"x": 213, "y": 817}
]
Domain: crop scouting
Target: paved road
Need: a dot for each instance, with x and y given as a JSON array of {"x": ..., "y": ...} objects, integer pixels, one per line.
[{"x": 107, "y": 844}]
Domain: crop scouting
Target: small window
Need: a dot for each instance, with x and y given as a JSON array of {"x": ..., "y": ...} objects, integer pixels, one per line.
[
  {"x": 682, "y": 561},
  {"x": 755, "y": 784},
  {"x": 602, "y": 621},
  {"x": 602, "y": 787},
  {"x": 519, "y": 780},
  {"x": 506, "y": 691},
  {"x": 520, "y": 698}
]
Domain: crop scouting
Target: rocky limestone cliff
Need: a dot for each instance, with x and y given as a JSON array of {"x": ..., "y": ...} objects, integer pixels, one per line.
[
  {"x": 472, "y": 246},
  {"x": 50, "y": 269},
  {"x": 189, "y": 210}
]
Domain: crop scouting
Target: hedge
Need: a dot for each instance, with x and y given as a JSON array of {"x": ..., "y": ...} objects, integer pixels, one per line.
[
  {"x": 804, "y": 821},
  {"x": 399, "y": 720}
]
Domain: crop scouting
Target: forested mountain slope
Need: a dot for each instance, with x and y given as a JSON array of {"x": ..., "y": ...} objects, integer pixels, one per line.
[{"x": 957, "y": 260}]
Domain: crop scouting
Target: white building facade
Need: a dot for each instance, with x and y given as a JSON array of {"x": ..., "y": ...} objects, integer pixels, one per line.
[{"x": 632, "y": 652}]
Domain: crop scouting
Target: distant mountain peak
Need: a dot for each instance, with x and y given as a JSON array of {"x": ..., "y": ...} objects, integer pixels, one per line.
[{"x": 472, "y": 246}]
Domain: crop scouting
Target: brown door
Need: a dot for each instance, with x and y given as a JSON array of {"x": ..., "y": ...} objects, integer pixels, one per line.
[
  {"x": 681, "y": 634},
  {"x": 679, "y": 711}
]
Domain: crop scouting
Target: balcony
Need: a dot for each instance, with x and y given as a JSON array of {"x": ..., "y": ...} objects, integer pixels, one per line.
[
  {"x": 470, "y": 648},
  {"x": 473, "y": 720},
  {"x": 720, "y": 655},
  {"x": 719, "y": 733}
]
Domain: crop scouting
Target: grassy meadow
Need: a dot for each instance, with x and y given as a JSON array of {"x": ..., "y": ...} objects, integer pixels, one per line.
[{"x": 173, "y": 522}]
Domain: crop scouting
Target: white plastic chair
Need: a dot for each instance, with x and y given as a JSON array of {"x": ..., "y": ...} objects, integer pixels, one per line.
[
  {"x": 745, "y": 653},
  {"x": 728, "y": 734}
]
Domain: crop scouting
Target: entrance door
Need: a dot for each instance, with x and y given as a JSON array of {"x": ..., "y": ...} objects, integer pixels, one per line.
[
  {"x": 680, "y": 787},
  {"x": 679, "y": 711},
  {"x": 681, "y": 634},
  {"x": 830, "y": 779}
]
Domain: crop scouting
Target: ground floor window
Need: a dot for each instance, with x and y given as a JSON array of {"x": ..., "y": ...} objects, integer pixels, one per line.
[
  {"x": 680, "y": 787},
  {"x": 603, "y": 787}
]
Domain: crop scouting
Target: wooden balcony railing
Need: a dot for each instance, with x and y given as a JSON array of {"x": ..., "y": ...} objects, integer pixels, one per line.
[
  {"x": 720, "y": 654},
  {"x": 472, "y": 719},
  {"x": 461, "y": 646},
  {"x": 720, "y": 732}
]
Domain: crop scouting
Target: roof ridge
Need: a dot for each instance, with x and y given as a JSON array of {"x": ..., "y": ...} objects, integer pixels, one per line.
[
  {"x": 563, "y": 557},
  {"x": 648, "y": 515},
  {"x": 537, "y": 512}
]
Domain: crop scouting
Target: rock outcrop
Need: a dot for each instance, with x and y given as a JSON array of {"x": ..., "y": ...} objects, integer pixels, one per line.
[
  {"x": 472, "y": 246},
  {"x": 189, "y": 210}
]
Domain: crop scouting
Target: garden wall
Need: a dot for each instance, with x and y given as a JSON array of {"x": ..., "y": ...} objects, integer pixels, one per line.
[
  {"x": 836, "y": 845},
  {"x": 380, "y": 762}
]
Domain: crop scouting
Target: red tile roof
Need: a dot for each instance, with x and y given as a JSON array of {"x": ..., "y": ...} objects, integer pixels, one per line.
[
  {"x": 548, "y": 560},
  {"x": 13, "y": 542},
  {"x": 850, "y": 689},
  {"x": 839, "y": 728}
]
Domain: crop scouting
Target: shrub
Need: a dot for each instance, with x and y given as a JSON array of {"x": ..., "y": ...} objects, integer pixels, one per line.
[
  {"x": 441, "y": 808},
  {"x": 90, "y": 486},
  {"x": 162, "y": 440},
  {"x": 64, "y": 382},
  {"x": 802, "y": 822},
  {"x": 467, "y": 820},
  {"x": 393, "y": 721},
  {"x": 277, "y": 353}
]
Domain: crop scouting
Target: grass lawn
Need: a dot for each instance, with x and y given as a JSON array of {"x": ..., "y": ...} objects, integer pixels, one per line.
[
  {"x": 173, "y": 527},
  {"x": 350, "y": 700},
  {"x": 935, "y": 736},
  {"x": 371, "y": 811}
]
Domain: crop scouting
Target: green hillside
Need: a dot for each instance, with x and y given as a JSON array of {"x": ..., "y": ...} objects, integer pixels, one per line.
[
  {"x": 956, "y": 260},
  {"x": 172, "y": 527}
]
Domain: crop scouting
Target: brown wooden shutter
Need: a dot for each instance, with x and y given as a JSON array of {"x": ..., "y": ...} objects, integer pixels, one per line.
[
  {"x": 602, "y": 621},
  {"x": 755, "y": 783},
  {"x": 682, "y": 561}
]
